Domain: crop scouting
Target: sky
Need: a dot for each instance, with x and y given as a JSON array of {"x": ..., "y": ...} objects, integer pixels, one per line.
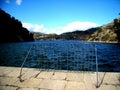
[{"x": 59, "y": 16}]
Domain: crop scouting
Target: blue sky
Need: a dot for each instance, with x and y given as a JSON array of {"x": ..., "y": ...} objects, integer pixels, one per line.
[{"x": 58, "y": 16}]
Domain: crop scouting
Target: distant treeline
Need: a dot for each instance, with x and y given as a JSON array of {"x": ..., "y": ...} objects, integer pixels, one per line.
[
  {"x": 11, "y": 29},
  {"x": 74, "y": 35}
]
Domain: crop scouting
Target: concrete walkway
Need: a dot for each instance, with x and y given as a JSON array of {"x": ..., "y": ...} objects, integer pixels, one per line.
[{"x": 35, "y": 79}]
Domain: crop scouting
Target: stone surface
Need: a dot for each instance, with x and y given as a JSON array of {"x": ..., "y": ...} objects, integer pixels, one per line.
[
  {"x": 72, "y": 85},
  {"x": 8, "y": 81},
  {"x": 106, "y": 87},
  {"x": 45, "y": 75},
  {"x": 4, "y": 71},
  {"x": 30, "y": 74},
  {"x": 28, "y": 89},
  {"x": 111, "y": 78},
  {"x": 14, "y": 73},
  {"x": 35, "y": 79},
  {"x": 118, "y": 87},
  {"x": 33, "y": 82},
  {"x": 59, "y": 76},
  {"x": 8, "y": 88},
  {"x": 52, "y": 84},
  {"x": 75, "y": 77}
]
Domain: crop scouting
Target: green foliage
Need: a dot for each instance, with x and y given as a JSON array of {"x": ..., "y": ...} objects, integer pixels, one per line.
[
  {"x": 108, "y": 33},
  {"x": 117, "y": 28},
  {"x": 100, "y": 30},
  {"x": 45, "y": 36},
  {"x": 106, "y": 37}
]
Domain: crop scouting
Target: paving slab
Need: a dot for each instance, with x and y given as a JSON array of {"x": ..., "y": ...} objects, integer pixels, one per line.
[
  {"x": 31, "y": 83},
  {"x": 45, "y": 74},
  {"x": 4, "y": 71},
  {"x": 21, "y": 84},
  {"x": 72, "y": 85},
  {"x": 87, "y": 77},
  {"x": 111, "y": 78},
  {"x": 14, "y": 73},
  {"x": 8, "y": 81},
  {"x": 75, "y": 77},
  {"x": 30, "y": 74},
  {"x": 52, "y": 84},
  {"x": 106, "y": 87},
  {"x": 44, "y": 89},
  {"x": 59, "y": 75},
  {"x": 28, "y": 89},
  {"x": 89, "y": 82},
  {"x": 34, "y": 79},
  {"x": 118, "y": 87},
  {"x": 8, "y": 88}
]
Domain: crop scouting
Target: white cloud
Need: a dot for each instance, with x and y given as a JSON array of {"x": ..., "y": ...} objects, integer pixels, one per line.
[
  {"x": 79, "y": 26},
  {"x": 58, "y": 30},
  {"x": 35, "y": 27},
  {"x": 18, "y": 2},
  {"x": 74, "y": 26}
]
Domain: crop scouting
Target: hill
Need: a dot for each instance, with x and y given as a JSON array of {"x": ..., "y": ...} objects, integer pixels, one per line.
[
  {"x": 11, "y": 29},
  {"x": 78, "y": 35},
  {"x": 107, "y": 33},
  {"x": 75, "y": 35}
]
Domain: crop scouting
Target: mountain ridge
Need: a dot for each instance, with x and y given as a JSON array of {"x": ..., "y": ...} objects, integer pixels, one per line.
[{"x": 105, "y": 33}]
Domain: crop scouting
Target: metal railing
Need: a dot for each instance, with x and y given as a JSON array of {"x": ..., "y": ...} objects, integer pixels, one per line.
[{"x": 62, "y": 56}]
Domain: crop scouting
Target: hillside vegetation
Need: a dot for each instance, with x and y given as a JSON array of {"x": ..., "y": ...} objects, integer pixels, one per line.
[
  {"x": 107, "y": 33},
  {"x": 104, "y": 34},
  {"x": 11, "y": 29}
]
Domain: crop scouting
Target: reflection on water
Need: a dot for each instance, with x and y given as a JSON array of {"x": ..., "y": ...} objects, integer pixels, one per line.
[{"x": 62, "y": 55}]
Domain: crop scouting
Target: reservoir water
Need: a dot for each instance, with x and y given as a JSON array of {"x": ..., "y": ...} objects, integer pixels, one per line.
[{"x": 13, "y": 54}]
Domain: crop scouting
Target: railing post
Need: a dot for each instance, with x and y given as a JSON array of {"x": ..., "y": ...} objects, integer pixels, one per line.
[
  {"x": 24, "y": 63},
  {"x": 96, "y": 67}
]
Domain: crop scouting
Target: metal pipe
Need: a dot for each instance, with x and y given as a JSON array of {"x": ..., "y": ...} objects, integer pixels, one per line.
[
  {"x": 96, "y": 68},
  {"x": 24, "y": 63}
]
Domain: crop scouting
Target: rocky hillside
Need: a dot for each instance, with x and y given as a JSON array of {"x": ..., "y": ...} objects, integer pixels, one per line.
[{"x": 106, "y": 33}]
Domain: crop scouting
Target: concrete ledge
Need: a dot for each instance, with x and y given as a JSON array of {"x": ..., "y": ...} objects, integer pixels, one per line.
[{"x": 35, "y": 79}]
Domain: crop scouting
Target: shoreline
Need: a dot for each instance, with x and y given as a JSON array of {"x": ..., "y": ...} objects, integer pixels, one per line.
[{"x": 106, "y": 42}]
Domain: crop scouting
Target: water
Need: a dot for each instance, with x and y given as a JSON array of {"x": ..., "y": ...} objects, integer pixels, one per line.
[{"x": 13, "y": 54}]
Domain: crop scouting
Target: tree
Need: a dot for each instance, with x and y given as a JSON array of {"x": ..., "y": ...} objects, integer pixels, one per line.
[
  {"x": 11, "y": 29},
  {"x": 117, "y": 28}
]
